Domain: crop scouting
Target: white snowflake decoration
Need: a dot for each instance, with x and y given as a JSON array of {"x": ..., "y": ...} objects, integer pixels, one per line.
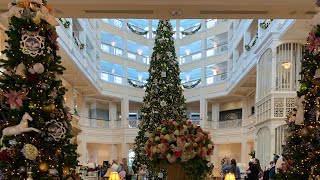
[
  {"x": 32, "y": 44},
  {"x": 163, "y": 103}
]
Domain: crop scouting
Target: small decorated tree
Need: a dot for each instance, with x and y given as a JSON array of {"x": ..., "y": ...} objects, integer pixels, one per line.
[{"x": 35, "y": 123}]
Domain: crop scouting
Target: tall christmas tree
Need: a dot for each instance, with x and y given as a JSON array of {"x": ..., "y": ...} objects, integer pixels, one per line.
[
  {"x": 302, "y": 149},
  {"x": 163, "y": 98},
  {"x": 35, "y": 123}
]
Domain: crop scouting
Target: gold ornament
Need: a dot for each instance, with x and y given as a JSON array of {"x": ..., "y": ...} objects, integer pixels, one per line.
[
  {"x": 43, "y": 167},
  {"x": 58, "y": 151},
  {"x": 49, "y": 108},
  {"x": 66, "y": 171}
]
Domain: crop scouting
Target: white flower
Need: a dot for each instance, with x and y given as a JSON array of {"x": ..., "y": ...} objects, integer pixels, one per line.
[{"x": 163, "y": 103}]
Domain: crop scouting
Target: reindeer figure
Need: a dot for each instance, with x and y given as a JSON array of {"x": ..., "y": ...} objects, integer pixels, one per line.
[{"x": 20, "y": 128}]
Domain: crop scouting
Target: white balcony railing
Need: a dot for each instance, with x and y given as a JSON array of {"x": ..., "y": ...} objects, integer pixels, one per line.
[
  {"x": 96, "y": 123},
  {"x": 133, "y": 123},
  {"x": 216, "y": 78},
  {"x": 230, "y": 123},
  {"x": 108, "y": 48},
  {"x": 209, "y": 52}
]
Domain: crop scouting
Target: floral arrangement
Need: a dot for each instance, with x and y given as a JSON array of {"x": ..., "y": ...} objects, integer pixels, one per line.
[{"x": 184, "y": 143}]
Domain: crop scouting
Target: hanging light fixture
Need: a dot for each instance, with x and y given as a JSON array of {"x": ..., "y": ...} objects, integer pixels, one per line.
[
  {"x": 188, "y": 52},
  {"x": 112, "y": 71},
  {"x": 140, "y": 52},
  {"x": 139, "y": 77},
  {"x": 286, "y": 65},
  {"x": 113, "y": 43},
  {"x": 187, "y": 77}
]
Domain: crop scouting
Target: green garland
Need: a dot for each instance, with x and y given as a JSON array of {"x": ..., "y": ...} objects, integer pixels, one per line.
[
  {"x": 192, "y": 32},
  {"x": 248, "y": 46},
  {"x": 135, "y": 31},
  {"x": 135, "y": 85},
  {"x": 193, "y": 85},
  {"x": 77, "y": 41},
  {"x": 265, "y": 24},
  {"x": 66, "y": 23}
]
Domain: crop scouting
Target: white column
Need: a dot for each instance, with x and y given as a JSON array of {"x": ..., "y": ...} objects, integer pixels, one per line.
[
  {"x": 124, "y": 112},
  {"x": 124, "y": 150},
  {"x": 150, "y": 29},
  {"x": 81, "y": 105},
  {"x": 215, "y": 114},
  {"x": 244, "y": 110},
  {"x": 113, "y": 152},
  {"x": 125, "y": 73},
  {"x": 82, "y": 150},
  {"x": 93, "y": 110},
  {"x": 125, "y": 41},
  {"x": 69, "y": 97},
  {"x": 215, "y": 155},
  {"x": 112, "y": 113},
  {"x": 203, "y": 76},
  {"x": 203, "y": 112},
  {"x": 203, "y": 40},
  {"x": 244, "y": 153},
  {"x": 272, "y": 141},
  {"x": 273, "y": 70}
]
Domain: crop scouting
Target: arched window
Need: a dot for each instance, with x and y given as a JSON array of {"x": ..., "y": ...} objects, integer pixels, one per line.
[
  {"x": 288, "y": 57},
  {"x": 263, "y": 146},
  {"x": 264, "y": 78}
]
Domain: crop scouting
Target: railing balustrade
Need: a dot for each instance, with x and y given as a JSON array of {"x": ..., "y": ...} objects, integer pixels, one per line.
[
  {"x": 230, "y": 123},
  {"x": 112, "y": 78},
  {"x": 108, "y": 48},
  {"x": 133, "y": 123},
  {"x": 216, "y": 78}
]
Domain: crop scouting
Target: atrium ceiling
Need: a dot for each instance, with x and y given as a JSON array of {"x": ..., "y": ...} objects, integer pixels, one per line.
[{"x": 181, "y": 9}]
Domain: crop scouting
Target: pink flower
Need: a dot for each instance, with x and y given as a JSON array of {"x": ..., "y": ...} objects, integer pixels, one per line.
[
  {"x": 312, "y": 42},
  {"x": 15, "y": 99}
]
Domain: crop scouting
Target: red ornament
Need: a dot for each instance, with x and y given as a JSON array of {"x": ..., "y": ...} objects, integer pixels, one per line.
[
  {"x": 4, "y": 156},
  {"x": 32, "y": 77}
]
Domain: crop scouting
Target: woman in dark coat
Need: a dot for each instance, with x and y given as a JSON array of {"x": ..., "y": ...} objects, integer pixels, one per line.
[{"x": 253, "y": 171}]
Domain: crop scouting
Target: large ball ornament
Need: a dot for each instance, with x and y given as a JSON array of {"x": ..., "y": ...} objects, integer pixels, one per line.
[
  {"x": 38, "y": 68},
  {"x": 43, "y": 167},
  {"x": 66, "y": 170},
  {"x": 49, "y": 108}
]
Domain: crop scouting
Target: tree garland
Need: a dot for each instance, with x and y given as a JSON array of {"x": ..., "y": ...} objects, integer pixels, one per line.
[
  {"x": 193, "y": 85},
  {"x": 135, "y": 85},
  {"x": 191, "y": 32},
  {"x": 135, "y": 31}
]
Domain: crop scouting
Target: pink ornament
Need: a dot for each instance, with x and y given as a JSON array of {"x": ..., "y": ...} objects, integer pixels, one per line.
[
  {"x": 312, "y": 42},
  {"x": 15, "y": 99}
]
